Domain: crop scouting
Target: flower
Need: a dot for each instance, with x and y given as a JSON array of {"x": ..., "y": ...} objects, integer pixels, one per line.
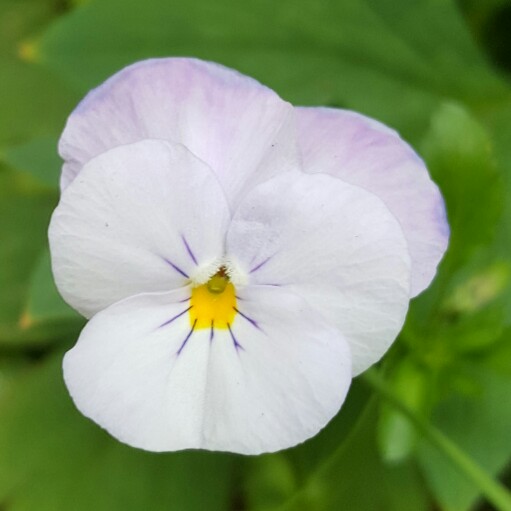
[{"x": 240, "y": 259}]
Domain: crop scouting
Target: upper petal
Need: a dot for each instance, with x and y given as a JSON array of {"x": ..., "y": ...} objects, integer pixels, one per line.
[
  {"x": 336, "y": 245},
  {"x": 273, "y": 379},
  {"x": 366, "y": 153},
  {"x": 139, "y": 218},
  {"x": 240, "y": 128}
]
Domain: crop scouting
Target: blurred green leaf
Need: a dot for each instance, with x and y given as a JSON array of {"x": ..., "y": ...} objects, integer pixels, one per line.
[
  {"x": 474, "y": 308},
  {"x": 397, "y": 437},
  {"x": 460, "y": 157},
  {"x": 474, "y": 293},
  {"x": 335, "y": 469},
  {"x": 353, "y": 477},
  {"x": 54, "y": 459},
  {"x": 490, "y": 21},
  {"x": 24, "y": 215},
  {"x": 309, "y": 456},
  {"x": 44, "y": 303},
  {"x": 464, "y": 308},
  {"x": 38, "y": 157},
  {"x": 274, "y": 478},
  {"x": 270, "y": 480},
  {"x": 498, "y": 359},
  {"x": 498, "y": 121},
  {"x": 478, "y": 422},
  {"x": 19, "y": 19},
  {"x": 33, "y": 101},
  {"x": 458, "y": 459},
  {"x": 369, "y": 55}
]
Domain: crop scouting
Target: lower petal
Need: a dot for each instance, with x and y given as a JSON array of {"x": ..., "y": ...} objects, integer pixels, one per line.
[
  {"x": 276, "y": 378},
  {"x": 270, "y": 380},
  {"x": 130, "y": 373}
]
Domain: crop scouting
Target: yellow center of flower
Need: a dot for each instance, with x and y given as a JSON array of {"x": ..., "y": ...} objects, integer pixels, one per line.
[{"x": 213, "y": 305}]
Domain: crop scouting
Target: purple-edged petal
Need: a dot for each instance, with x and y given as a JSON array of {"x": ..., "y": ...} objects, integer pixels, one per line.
[
  {"x": 361, "y": 151},
  {"x": 240, "y": 128},
  {"x": 334, "y": 244},
  {"x": 139, "y": 218},
  {"x": 143, "y": 372}
]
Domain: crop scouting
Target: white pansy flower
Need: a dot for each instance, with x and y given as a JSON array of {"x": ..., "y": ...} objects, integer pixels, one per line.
[{"x": 240, "y": 260}]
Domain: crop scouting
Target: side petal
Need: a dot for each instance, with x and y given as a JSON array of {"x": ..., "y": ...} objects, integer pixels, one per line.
[
  {"x": 141, "y": 371},
  {"x": 335, "y": 245},
  {"x": 364, "y": 152},
  {"x": 240, "y": 128},
  {"x": 140, "y": 218}
]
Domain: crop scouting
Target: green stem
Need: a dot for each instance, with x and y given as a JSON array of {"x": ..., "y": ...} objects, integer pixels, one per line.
[{"x": 497, "y": 494}]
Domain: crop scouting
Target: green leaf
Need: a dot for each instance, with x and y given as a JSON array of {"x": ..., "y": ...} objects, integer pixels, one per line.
[
  {"x": 274, "y": 478},
  {"x": 460, "y": 157},
  {"x": 353, "y": 477},
  {"x": 489, "y": 21},
  {"x": 475, "y": 305},
  {"x": 19, "y": 19},
  {"x": 24, "y": 215},
  {"x": 397, "y": 437},
  {"x": 38, "y": 157},
  {"x": 54, "y": 459},
  {"x": 478, "y": 422},
  {"x": 459, "y": 461},
  {"x": 45, "y": 305},
  {"x": 498, "y": 359},
  {"x": 364, "y": 54},
  {"x": 464, "y": 308},
  {"x": 468, "y": 317},
  {"x": 33, "y": 101},
  {"x": 335, "y": 469},
  {"x": 270, "y": 480}
]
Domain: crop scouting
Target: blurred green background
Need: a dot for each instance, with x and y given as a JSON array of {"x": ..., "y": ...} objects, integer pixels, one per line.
[{"x": 437, "y": 71}]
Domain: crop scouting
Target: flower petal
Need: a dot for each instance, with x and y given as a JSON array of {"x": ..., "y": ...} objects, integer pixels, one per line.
[
  {"x": 127, "y": 374},
  {"x": 142, "y": 372},
  {"x": 140, "y": 218},
  {"x": 365, "y": 153},
  {"x": 240, "y": 128},
  {"x": 337, "y": 246},
  {"x": 287, "y": 377}
]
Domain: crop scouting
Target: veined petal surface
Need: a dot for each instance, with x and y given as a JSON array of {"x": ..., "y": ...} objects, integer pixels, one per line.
[
  {"x": 364, "y": 152},
  {"x": 334, "y": 244},
  {"x": 240, "y": 128},
  {"x": 273, "y": 379},
  {"x": 139, "y": 218}
]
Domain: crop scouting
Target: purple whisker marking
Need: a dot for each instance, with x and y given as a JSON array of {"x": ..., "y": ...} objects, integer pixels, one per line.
[
  {"x": 260, "y": 265},
  {"x": 175, "y": 317},
  {"x": 248, "y": 318},
  {"x": 237, "y": 345},
  {"x": 212, "y": 331},
  {"x": 177, "y": 268},
  {"x": 186, "y": 338},
  {"x": 185, "y": 300},
  {"x": 189, "y": 250}
]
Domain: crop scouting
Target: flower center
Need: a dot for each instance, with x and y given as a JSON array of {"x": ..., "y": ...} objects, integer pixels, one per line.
[{"x": 213, "y": 304}]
